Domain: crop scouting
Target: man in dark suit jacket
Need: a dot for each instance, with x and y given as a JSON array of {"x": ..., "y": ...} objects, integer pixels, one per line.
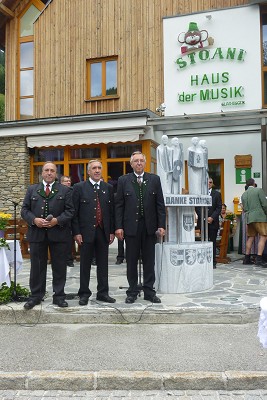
[
  {"x": 48, "y": 210},
  {"x": 139, "y": 214},
  {"x": 93, "y": 230},
  {"x": 213, "y": 217}
]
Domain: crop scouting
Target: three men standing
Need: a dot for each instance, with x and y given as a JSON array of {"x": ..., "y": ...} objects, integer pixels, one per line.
[{"x": 140, "y": 213}]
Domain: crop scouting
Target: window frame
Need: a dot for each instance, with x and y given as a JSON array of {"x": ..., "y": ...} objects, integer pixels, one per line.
[
  {"x": 103, "y": 61},
  {"x": 26, "y": 39}
]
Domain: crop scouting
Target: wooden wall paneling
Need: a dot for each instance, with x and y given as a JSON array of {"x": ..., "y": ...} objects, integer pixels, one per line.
[
  {"x": 83, "y": 9},
  {"x": 76, "y": 73},
  {"x": 77, "y": 30}
]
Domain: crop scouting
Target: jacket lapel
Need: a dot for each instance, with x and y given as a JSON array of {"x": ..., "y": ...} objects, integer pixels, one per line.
[{"x": 53, "y": 192}]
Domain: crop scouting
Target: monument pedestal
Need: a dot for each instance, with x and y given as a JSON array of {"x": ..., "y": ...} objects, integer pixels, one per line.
[
  {"x": 183, "y": 268},
  {"x": 183, "y": 265}
]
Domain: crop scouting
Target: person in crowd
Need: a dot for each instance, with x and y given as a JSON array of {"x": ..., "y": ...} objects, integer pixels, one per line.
[
  {"x": 214, "y": 212},
  {"x": 121, "y": 255},
  {"x": 139, "y": 214},
  {"x": 254, "y": 204},
  {"x": 213, "y": 216},
  {"x": 66, "y": 181},
  {"x": 243, "y": 236},
  {"x": 48, "y": 210},
  {"x": 93, "y": 230}
]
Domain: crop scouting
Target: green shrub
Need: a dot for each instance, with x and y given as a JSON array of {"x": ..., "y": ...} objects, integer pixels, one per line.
[{"x": 6, "y": 293}]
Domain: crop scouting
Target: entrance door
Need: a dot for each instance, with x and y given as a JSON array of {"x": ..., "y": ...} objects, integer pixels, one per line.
[{"x": 115, "y": 170}]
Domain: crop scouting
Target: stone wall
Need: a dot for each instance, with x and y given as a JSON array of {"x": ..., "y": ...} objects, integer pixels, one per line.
[{"x": 14, "y": 172}]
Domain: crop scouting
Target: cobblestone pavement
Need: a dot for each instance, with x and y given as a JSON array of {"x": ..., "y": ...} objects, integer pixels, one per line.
[
  {"x": 236, "y": 287},
  {"x": 234, "y": 298},
  {"x": 134, "y": 394}
]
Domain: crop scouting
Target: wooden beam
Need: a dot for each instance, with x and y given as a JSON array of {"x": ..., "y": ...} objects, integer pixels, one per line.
[{"x": 6, "y": 11}]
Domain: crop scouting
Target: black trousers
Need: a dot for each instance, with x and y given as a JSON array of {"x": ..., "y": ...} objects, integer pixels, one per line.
[
  {"x": 39, "y": 255},
  {"x": 121, "y": 255},
  {"x": 98, "y": 248},
  {"x": 69, "y": 250},
  {"x": 143, "y": 244}
]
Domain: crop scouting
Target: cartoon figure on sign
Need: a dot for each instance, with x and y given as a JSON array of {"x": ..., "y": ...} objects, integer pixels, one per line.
[{"x": 194, "y": 38}]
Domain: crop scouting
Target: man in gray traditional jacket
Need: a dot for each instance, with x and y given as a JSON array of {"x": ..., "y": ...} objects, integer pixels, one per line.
[{"x": 254, "y": 204}]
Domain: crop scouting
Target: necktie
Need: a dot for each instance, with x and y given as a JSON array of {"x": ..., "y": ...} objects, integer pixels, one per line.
[
  {"x": 98, "y": 207},
  {"x": 47, "y": 190},
  {"x": 139, "y": 180}
]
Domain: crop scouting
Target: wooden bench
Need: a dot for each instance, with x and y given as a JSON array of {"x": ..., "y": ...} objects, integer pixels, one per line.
[{"x": 222, "y": 243}]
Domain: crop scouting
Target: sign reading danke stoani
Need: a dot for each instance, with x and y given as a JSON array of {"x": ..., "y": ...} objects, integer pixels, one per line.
[{"x": 187, "y": 200}]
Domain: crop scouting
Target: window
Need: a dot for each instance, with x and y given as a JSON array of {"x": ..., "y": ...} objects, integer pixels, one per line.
[
  {"x": 26, "y": 62},
  {"x": 102, "y": 78},
  {"x": 73, "y": 160}
]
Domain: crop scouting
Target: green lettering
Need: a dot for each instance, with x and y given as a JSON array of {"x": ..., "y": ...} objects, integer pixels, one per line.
[
  {"x": 238, "y": 91},
  {"x": 225, "y": 77},
  {"x": 214, "y": 94},
  {"x": 181, "y": 63},
  {"x": 191, "y": 56},
  {"x": 204, "y": 95},
  {"x": 205, "y": 80},
  {"x": 241, "y": 55},
  {"x": 224, "y": 93},
  {"x": 231, "y": 53},
  {"x": 218, "y": 53},
  {"x": 215, "y": 78},
  {"x": 194, "y": 80},
  {"x": 204, "y": 55}
]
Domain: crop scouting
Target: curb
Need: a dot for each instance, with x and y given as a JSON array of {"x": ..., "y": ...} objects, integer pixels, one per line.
[
  {"x": 133, "y": 380},
  {"x": 47, "y": 314}
]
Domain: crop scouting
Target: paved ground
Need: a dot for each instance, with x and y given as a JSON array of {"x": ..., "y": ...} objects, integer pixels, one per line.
[
  {"x": 202, "y": 341},
  {"x": 234, "y": 298}
]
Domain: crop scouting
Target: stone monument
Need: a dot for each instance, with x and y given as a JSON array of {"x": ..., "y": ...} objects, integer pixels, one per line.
[{"x": 183, "y": 264}]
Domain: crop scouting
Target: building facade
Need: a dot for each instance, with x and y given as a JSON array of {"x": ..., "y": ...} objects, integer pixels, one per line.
[{"x": 100, "y": 79}]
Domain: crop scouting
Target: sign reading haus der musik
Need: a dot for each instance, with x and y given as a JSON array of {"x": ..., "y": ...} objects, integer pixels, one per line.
[{"x": 207, "y": 59}]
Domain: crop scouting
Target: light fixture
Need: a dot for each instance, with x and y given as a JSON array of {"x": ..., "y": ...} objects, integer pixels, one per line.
[{"x": 161, "y": 109}]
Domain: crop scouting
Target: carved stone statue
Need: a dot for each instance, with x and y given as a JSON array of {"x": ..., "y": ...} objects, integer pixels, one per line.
[
  {"x": 164, "y": 164},
  {"x": 177, "y": 165},
  {"x": 197, "y": 167},
  {"x": 205, "y": 170}
]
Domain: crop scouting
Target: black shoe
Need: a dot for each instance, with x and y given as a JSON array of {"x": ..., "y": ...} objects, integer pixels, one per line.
[
  {"x": 60, "y": 303},
  {"x": 153, "y": 299},
  {"x": 31, "y": 303},
  {"x": 247, "y": 260},
  {"x": 130, "y": 299},
  {"x": 260, "y": 262},
  {"x": 106, "y": 298},
  {"x": 214, "y": 266},
  {"x": 83, "y": 301},
  {"x": 118, "y": 262},
  {"x": 70, "y": 264}
]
